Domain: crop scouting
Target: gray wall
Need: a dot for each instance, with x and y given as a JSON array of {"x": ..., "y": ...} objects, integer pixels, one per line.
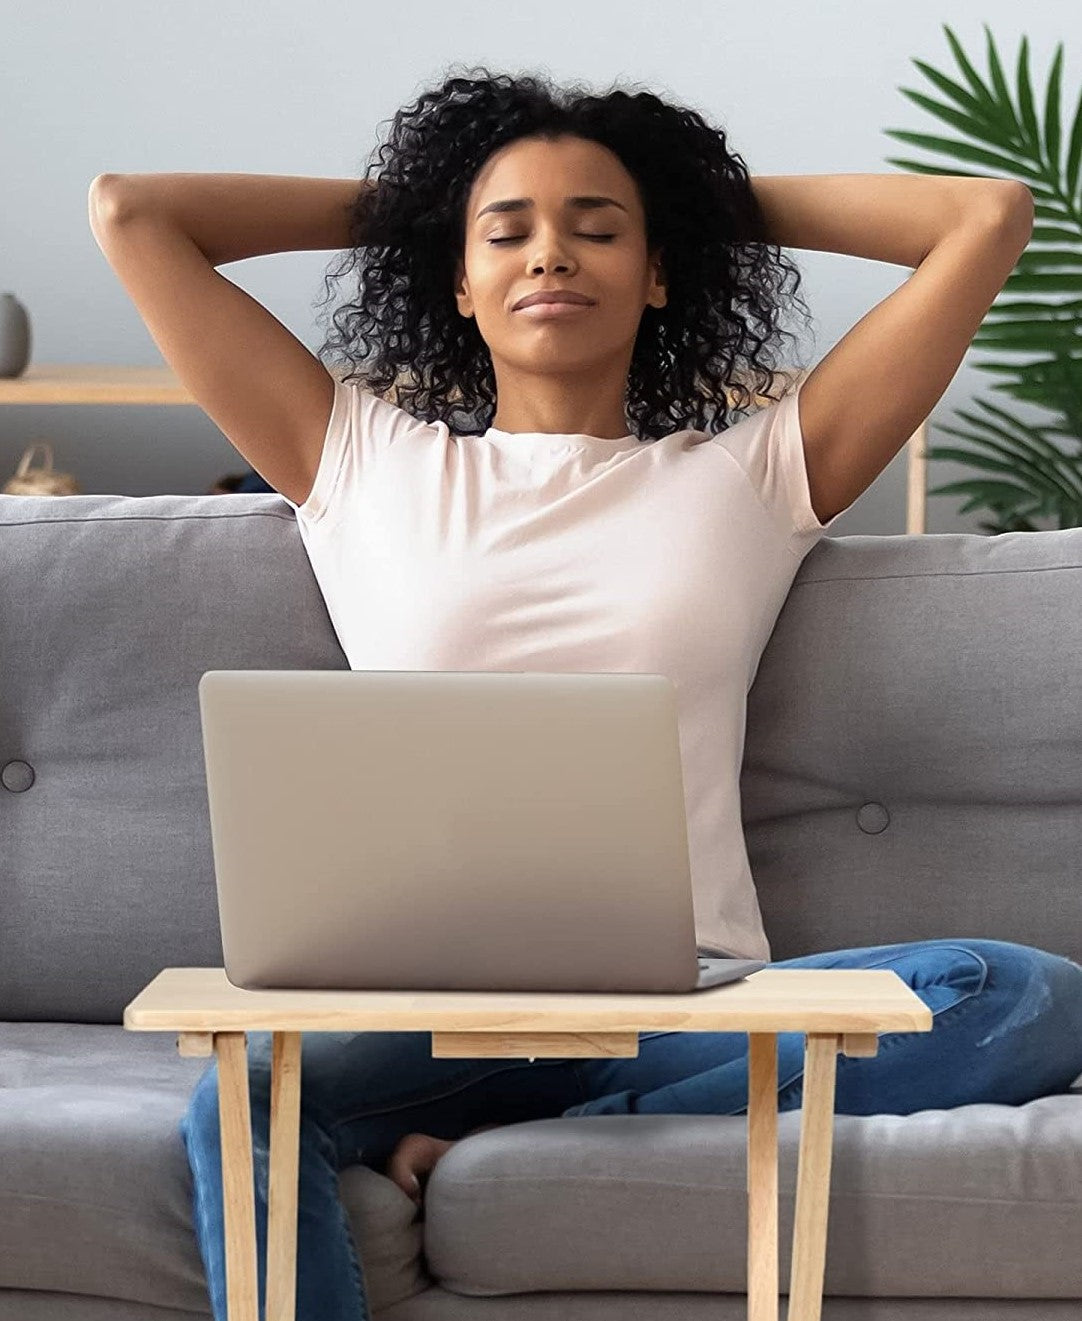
[{"x": 277, "y": 88}]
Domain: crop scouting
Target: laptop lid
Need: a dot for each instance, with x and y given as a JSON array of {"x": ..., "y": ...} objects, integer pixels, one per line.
[{"x": 386, "y": 829}]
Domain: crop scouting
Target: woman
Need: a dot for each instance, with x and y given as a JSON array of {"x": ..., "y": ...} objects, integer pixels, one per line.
[{"x": 564, "y": 488}]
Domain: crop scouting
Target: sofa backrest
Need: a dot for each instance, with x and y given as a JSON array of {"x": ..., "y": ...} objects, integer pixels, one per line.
[{"x": 913, "y": 758}]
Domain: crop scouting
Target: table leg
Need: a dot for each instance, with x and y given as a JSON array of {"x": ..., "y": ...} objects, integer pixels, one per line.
[
  {"x": 238, "y": 1192},
  {"x": 762, "y": 1176},
  {"x": 285, "y": 1110},
  {"x": 813, "y": 1176}
]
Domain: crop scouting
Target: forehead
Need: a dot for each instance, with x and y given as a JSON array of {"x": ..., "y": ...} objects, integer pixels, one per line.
[{"x": 549, "y": 173}]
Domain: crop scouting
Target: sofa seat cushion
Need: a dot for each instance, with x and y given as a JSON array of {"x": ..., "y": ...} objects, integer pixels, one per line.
[
  {"x": 982, "y": 1201},
  {"x": 95, "y": 1193},
  {"x": 95, "y": 1188}
]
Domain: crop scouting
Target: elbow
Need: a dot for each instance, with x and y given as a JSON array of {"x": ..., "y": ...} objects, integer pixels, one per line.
[
  {"x": 105, "y": 199},
  {"x": 1005, "y": 213},
  {"x": 1024, "y": 195},
  {"x": 1016, "y": 206}
]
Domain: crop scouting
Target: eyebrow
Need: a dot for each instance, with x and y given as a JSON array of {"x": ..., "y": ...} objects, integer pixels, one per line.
[{"x": 583, "y": 203}]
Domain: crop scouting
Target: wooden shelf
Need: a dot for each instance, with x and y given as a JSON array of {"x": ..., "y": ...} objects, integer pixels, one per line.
[
  {"x": 107, "y": 384},
  {"x": 95, "y": 384}
]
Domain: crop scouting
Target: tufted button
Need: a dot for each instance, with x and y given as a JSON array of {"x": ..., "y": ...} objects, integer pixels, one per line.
[
  {"x": 873, "y": 818},
  {"x": 17, "y": 776}
]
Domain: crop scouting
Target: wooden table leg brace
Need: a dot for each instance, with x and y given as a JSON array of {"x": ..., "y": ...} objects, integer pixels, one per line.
[{"x": 807, "y": 1267}]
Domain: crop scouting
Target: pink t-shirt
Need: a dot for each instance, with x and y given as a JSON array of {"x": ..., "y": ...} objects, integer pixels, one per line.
[{"x": 575, "y": 554}]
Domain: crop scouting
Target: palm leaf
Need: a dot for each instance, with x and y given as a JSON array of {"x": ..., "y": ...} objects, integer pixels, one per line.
[
  {"x": 980, "y": 111},
  {"x": 1046, "y": 477},
  {"x": 1036, "y": 259},
  {"x": 1039, "y": 311},
  {"x": 1051, "y": 111},
  {"x": 1025, "y": 98},
  {"x": 1050, "y": 234},
  {"x": 999, "y": 83},
  {"x": 919, "y": 167},
  {"x": 973, "y": 124},
  {"x": 1009, "y": 493},
  {"x": 1004, "y": 116},
  {"x": 1020, "y": 305},
  {"x": 964, "y": 152},
  {"x": 1043, "y": 475},
  {"x": 1074, "y": 154}
]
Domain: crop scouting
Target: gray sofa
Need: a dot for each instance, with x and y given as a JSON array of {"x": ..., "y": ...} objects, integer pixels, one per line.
[{"x": 913, "y": 770}]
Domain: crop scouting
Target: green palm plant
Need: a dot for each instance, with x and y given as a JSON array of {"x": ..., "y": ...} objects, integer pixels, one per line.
[{"x": 1039, "y": 311}]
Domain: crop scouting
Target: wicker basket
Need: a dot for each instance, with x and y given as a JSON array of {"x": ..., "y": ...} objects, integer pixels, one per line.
[{"x": 43, "y": 480}]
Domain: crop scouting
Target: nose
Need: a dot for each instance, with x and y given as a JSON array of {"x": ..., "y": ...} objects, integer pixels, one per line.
[
  {"x": 555, "y": 265},
  {"x": 549, "y": 255}
]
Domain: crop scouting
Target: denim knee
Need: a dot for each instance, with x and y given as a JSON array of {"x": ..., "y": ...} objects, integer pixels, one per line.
[
  {"x": 201, "y": 1121},
  {"x": 1042, "y": 998},
  {"x": 202, "y": 1111},
  {"x": 202, "y": 1114}
]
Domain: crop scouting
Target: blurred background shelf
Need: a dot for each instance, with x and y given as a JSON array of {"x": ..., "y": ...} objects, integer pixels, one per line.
[
  {"x": 100, "y": 383},
  {"x": 106, "y": 384}
]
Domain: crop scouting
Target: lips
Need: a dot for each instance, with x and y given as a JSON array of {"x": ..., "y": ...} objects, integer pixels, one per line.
[{"x": 552, "y": 296}]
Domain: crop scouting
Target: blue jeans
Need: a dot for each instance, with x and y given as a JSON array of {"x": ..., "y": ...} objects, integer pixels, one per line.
[{"x": 1007, "y": 1028}]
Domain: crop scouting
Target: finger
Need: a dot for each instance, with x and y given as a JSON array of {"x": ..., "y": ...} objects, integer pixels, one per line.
[
  {"x": 413, "y": 1160},
  {"x": 400, "y": 1172},
  {"x": 410, "y": 1186}
]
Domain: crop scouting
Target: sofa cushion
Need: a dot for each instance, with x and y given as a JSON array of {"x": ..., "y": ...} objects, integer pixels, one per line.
[
  {"x": 111, "y": 610},
  {"x": 980, "y": 1201},
  {"x": 985, "y": 1197},
  {"x": 912, "y": 763},
  {"x": 92, "y": 1159}
]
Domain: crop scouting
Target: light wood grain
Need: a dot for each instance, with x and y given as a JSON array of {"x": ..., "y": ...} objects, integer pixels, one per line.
[
  {"x": 855, "y": 1002},
  {"x": 69, "y": 383},
  {"x": 234, "y": 1114},
  {"x": 916, "y": 481},
  {"x": 513, "y": 1045},
  {"x": 813, "y": 1178},
  {"x": 838, "y": 1010},
  {"x": 283, "y": 1177},
  {"x": 195, "y": 1044},
  {"x": 762, "y": 1177},
  {"x": 857, "y": 1043}
]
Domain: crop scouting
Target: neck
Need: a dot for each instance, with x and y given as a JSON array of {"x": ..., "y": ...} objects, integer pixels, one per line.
[{"x": 582, "y": 405}]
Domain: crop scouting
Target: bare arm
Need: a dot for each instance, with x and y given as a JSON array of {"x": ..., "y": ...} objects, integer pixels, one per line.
[
  {"x": 163, "y": 235},
  {"x": 885, "y": 217},
  {"x": 233, "y": 216}
]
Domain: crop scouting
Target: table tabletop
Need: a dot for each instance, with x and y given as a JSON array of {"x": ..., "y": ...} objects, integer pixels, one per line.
[{"x": 814, "y": 1000}]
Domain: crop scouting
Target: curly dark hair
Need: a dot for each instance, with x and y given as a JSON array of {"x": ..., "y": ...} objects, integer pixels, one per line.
[{"x": 723, "y": 281}]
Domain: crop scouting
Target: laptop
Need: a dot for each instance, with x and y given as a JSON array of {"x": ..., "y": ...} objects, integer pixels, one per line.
[{"x": 452, "y": 830}]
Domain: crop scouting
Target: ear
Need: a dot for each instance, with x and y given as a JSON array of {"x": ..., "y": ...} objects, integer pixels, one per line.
[
  {"x": 461, "y": 290},
  {"x": 658, "y": 294}
]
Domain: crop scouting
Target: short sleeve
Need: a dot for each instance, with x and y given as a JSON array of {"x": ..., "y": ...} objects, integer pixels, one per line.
[
  {"x": 361, "y": 426},
  {"x": 769, "y": 447}
]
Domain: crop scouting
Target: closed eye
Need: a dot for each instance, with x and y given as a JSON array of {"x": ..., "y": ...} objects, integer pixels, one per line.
[{"x": 602, "y": 238}]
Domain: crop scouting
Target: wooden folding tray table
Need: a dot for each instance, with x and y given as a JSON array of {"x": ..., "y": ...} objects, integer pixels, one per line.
[{"x": 838, "y": 1010}]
